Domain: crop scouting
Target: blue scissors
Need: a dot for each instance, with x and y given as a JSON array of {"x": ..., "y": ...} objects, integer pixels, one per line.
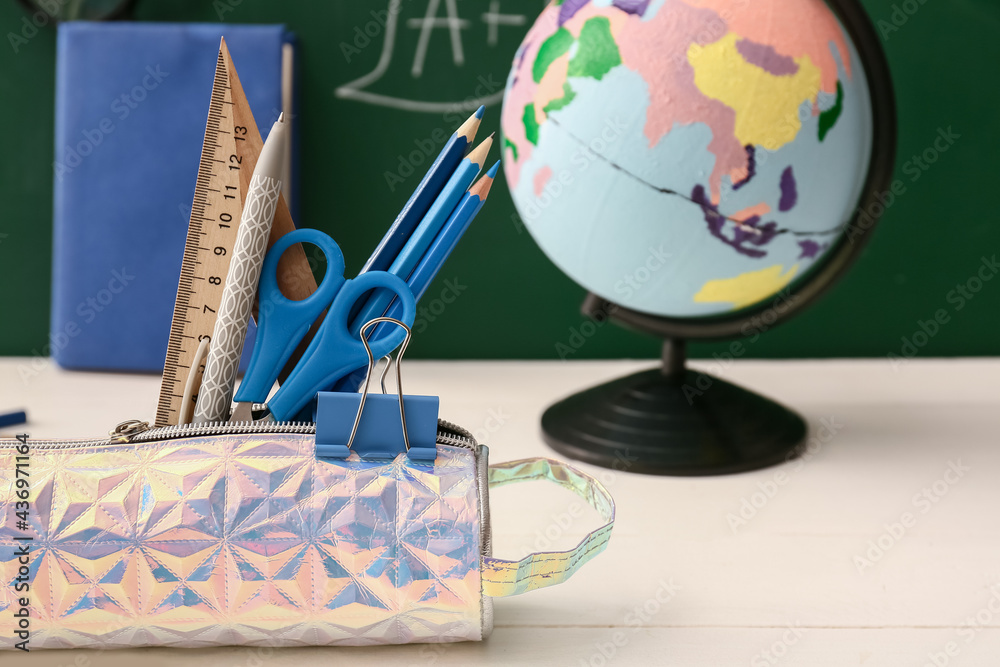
[{"x": 333, "y": 352}]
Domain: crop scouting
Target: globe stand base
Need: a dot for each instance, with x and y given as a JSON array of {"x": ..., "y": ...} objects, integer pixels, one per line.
[{"x": 673, "y": 421}]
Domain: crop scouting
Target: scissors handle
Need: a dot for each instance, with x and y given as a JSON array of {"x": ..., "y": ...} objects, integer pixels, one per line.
[
  {"x": 281, "y": 322},
  {"x": 334, "y": 351}
]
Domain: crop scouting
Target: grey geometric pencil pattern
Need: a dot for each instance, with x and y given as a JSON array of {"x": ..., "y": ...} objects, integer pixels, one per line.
[{"x": 216, "y": 394}]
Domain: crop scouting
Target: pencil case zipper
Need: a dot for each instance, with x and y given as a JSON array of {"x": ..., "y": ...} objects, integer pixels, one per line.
[{"x": 135, "y": 431}]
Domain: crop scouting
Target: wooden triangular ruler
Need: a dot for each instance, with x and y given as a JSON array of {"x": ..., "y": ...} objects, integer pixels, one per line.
[{"x": 228, "y": 157}]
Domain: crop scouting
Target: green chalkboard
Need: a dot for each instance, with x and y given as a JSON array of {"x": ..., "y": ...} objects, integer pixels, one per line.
[{"x": 372, "y": 113}]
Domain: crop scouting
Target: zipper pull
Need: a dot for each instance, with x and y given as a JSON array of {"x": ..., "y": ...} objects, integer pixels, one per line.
[{"x": 127, "y": 429}]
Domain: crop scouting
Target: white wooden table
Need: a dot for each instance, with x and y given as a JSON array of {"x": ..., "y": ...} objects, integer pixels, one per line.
[{"x": 819, "y": 570}]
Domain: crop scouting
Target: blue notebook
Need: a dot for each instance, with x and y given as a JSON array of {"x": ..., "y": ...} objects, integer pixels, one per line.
[{"x": 131, "y": 104}]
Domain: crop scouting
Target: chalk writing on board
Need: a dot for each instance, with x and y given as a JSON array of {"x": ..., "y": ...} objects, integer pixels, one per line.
[{"x": 430, "y": 26}]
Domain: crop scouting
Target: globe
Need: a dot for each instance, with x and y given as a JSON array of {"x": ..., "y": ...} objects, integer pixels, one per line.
[
  {"x": 705, "y": 169},
  {"x": 687, "y": 158}
]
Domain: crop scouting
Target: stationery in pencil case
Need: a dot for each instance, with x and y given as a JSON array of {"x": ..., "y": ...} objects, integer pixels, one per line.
[{"x": 246, "y": 533}]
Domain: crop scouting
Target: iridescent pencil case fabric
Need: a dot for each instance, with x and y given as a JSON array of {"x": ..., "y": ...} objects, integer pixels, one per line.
[{"x": 238, "y": 535}]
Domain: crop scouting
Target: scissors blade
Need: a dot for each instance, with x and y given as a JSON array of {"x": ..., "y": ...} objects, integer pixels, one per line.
[{"x": 250, "y": 412}]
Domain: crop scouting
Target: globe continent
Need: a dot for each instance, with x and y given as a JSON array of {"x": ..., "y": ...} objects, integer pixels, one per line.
[{"x": 686, "y": 158}]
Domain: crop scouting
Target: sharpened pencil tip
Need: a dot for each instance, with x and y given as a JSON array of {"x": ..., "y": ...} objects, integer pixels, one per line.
[
  {"x": 478, "y": 154},
  {"x": 471, "y": 126},
  {"x": 492, "y": 173},
  {"x": 481, "y": 188},
  {"x": 281, "y": 117}
]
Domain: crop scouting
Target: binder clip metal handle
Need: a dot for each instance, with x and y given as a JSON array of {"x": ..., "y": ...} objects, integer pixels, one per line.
[
  {"x": 372, "y": 433},
  {"x": 368, "y": 377}
]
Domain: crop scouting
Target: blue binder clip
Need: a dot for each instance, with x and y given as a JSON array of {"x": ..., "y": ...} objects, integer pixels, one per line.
[{"x": 384, "y": 425}]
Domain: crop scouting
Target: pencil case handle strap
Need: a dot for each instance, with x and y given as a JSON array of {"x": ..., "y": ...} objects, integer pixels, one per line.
[{"x": 503, "y": 578}]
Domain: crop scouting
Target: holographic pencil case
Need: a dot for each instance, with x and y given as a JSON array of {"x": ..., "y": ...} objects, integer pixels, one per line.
[{"x": 237, "y": 534}]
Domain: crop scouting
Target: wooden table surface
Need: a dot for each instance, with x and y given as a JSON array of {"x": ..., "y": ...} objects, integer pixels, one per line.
[{"x": 880, "y": 547}]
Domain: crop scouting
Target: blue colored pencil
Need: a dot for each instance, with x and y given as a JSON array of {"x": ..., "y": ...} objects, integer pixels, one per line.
[
  {"x": 424, "y": 196},
  {"x": 435, "y": 258},
  {"x": 446, "y": 241},
  {"x": 411, "y": 254},
  {"x": 13, "y": 419}
]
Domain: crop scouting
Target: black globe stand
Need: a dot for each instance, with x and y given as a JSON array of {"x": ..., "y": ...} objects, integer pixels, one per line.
[{"x": 671, "y": 420}]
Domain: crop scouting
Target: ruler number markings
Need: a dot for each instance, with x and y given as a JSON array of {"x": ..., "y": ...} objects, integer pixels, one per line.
[{"x": 212, "y": 231}]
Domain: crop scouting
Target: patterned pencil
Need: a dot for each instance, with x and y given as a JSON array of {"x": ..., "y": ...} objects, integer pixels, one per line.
[{"x": 216, "y": 394}]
